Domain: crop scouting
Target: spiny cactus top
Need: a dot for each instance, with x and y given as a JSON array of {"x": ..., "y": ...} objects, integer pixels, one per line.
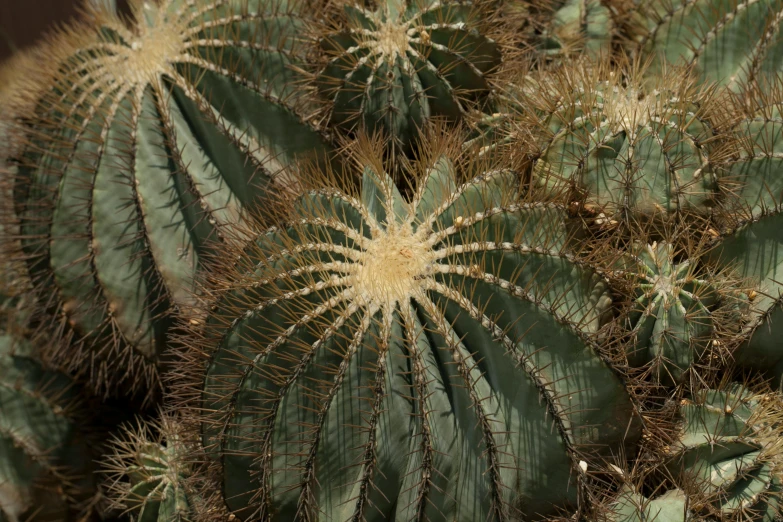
[
  {"x": 149, "y": 472},
  {"x": 623, "y": 148},
  {"x": 158, "y": 130},
  {"x": 394, "y": 67},
  {"x": 46, "y": 471},
  {"x": 728, "y": 41},
  {"x": 379, "y": 358},
  {"x": 671, "y": 320}
]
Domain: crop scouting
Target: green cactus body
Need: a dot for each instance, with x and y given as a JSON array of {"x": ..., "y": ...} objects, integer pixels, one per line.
[
  {"x": 395, "y": 68},
  {"x": 721, "y": 459},
  {"x": 384, "y": 359},
  {"x": 630, "y": 506},
  {"x": 156, "y": 135},
  {"x": 150, "y": 472},
  {"x": 752, "y": 246},
  {"x": 584, "y": 25},
  {"x": 624, "y": 150},
  {"x": 671, "y": 320},
  {"x": 728, "y": 41},
  {"x": 45, "y": 460}
]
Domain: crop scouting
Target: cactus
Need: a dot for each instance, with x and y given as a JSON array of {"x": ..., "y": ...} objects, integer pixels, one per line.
[
  {"x": 388, "y": 359},
  {"x": 45, "y": 456},
  {"x": 671, "y": 320},
  {"x": 727, "y": 41},
  {"x": 751, "y": 241},
  {"x": 149, "y": 472},
  {"x": 630, "y": 506},
  {"x": 623, "y": 150},
  {"x": 159, "y": 130},
  {"x": 580, "y": 25},
  {"x": 728, "y": 457},
  {"x": 394, "y": 68}
]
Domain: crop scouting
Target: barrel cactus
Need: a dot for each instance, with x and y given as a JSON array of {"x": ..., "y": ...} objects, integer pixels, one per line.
[
  {"x": 157, "y": 132},
  {"x": 383, "y": 358},
  {"x": 728, "y": 458},
  {"x": 631, "y": 506},
  {"x": 625, "y": 150},
  {"x": 750, "y": 239},
  {"x": 149, "y": 472},
  {"x": 727, "y": 41},
  {"x": 395, "y": 67},
  {"x": 46, "y": 471}
]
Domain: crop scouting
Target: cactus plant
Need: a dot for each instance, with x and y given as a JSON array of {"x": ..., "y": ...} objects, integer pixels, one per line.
[
  {"x": 626, "y": 150},
  {"x": 390, "y": 359},
  {"x": 728, "y": 457},
  {"x": 149, "y": 472},
  {"x": 751, "y": 241},
  {"x": 395, "y": 67},
  {"x": 727, "y": 41},
  {"x": 630, "y": 506},
  {"x": 580, "y": 25},
  {"x": 156, "y": 133},
  {"x": 46, "y": 471},
  {"x": 671, "y": 320}
]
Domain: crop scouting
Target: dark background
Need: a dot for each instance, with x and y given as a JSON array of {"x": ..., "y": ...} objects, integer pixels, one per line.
[{"x": 22, "y": 22}]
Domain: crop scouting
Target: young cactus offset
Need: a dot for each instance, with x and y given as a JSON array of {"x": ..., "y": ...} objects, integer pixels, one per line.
[
  {"x": 625, "y": 150},
  {"x": 158, "y": 131},
  {"x": 395, "y": 67},
  {"x": 379, "y": 358},
  {"x": 46, "y": 471},
  {"x": 730, "y": 42},
  {"x": 149, "y": 472},
  {"x": 671, "y": 319}
]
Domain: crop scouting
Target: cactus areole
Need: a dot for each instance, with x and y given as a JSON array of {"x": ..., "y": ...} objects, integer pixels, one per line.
[{"x": 427, "y": 359}]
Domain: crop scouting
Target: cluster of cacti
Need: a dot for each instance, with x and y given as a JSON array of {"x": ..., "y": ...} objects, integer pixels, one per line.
[{"x": 394, "y": 260}]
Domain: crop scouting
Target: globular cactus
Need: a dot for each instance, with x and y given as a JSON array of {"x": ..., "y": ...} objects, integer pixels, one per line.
[
  {"x": 623, "y": 150},
  {"x": 727, "y": 41},
  {"x": 585, "y": 26},
  {"x": 149, "y": 471},
  {"x": 725, "y": 463},
  {"x": 430, "y": 358},
  {"x": 671, "y": 318},
  {"x": 157, "y": 132},
  {"x": 46, "y": 470},
  {"x": 750, "y": 241},
  {"x": 631, "y": 506},
  {"x": 395, "y": 67},
  {"x": 729, "y": 457}
]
